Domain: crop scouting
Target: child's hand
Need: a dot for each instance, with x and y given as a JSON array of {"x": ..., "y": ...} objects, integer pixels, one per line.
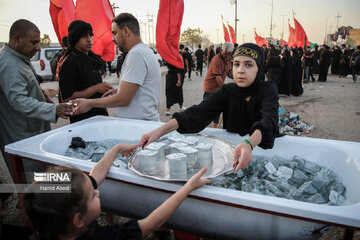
[
  {"x": 242, "y": 156},
  {"x": 196, "y": 181},
  {"x": 148, "y": 138},
  {"x": 126, "y": 149}
]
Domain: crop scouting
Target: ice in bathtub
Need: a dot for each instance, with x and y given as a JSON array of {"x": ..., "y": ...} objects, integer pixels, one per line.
[
  {"x": 95, "y": 150},
  {"x": 297, "y": 179}
]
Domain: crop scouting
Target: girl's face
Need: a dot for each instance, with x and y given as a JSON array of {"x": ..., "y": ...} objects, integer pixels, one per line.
[
  {"x": 92, "y": 202},
  {"x": 244, "y": 71}
]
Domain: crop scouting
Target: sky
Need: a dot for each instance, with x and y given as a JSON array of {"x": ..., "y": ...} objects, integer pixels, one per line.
[{"x": 316, "y": 16}]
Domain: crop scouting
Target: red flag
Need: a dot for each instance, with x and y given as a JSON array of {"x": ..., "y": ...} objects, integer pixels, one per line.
[
  {"x": 292, "y": 37},
  {"x": 300, "y": 35},
  {"x": 283, "y": 43},
  {"x": 226, "y": 33},
  {"x": 168, "y": 28},
  {"x": 99, "y": 14},
  {"x": 260, "y": 40},
  {"x": 232, "y": 34},
  {"x": 62, "y": 13}
]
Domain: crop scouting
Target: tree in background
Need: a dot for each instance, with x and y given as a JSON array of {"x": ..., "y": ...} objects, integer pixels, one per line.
[
  {"x": 45, "y": 41},
  {"x": 191, "y": 37}
]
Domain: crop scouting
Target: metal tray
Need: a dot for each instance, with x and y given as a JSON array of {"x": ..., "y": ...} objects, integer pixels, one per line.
[{"x": 222, "y": 152}]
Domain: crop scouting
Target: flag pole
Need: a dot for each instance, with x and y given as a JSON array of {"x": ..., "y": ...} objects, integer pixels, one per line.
[{"x": 236, "y": 20}]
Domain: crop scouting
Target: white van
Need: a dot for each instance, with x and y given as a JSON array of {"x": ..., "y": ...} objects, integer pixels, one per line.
[{"x": 41, "y": 62}]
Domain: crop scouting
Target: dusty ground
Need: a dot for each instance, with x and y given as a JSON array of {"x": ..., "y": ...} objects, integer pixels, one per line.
[{"x": 333, "y": 107}]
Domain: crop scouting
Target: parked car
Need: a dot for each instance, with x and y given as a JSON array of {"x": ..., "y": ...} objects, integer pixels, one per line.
[
  {"x": 41, "y": 62},
  {"x": 158, "y": 57}
]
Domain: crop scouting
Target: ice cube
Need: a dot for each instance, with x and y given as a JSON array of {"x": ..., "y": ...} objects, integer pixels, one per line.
[
  {"x": 298, "y": 178},
  {"x": 191, "y": 154},
  {"x": 278, "y": 161},
  {"x": 204, "y": 154},
  {"x": 308, "y": 188},
  {"x": 311, "y": 168},
  {"x": 275, "y": 190},
  {"x": 155, "y": 146},
  {"x": 337, "y": 198},
  {"x": 270, "y": 168},
  {"x": 189, "y": 140},
  {"x": 320, "y": 181},
  {"x": 174, "y": 147},
  {"x": 284, "y": 172},
  {"x": 96, "y": 157},
  {"x": 148, "y": 161},
  {"x": 158, "y": 146},
  {"x": 177, "y": 165},
  {"x": 316, "y": 198}
]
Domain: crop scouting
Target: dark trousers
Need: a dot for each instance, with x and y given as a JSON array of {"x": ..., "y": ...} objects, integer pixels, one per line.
[
  {"x": 323, "y": 73},
  {"x": 199, "y": 66}
]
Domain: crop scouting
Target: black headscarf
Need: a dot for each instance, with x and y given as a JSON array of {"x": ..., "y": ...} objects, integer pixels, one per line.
[
  {"x": 257, "y": 53},
  {"x": 77, "y": 29}
]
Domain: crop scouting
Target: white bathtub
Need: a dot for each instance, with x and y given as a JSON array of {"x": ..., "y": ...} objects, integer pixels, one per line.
[{"x": 211, "y": 211}]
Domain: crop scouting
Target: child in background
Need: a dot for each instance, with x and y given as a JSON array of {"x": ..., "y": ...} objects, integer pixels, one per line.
[{"x": 73, "y": 215}]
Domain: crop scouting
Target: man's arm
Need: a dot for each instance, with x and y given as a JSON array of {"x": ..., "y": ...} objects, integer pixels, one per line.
[
  {"x": 219, "y": 80},
  {"x": 90, "y": 91},
  {"x": 121, "y": 98},
  {"x": 17, "y": 94}
]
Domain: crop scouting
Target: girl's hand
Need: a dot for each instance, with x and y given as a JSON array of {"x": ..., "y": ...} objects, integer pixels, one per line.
[
  {"x": 148, "y": 138},
  {"x": 126, "y": 149},
  {"x": 242, "y": 156},
  {"x": 196, "y": 181}
]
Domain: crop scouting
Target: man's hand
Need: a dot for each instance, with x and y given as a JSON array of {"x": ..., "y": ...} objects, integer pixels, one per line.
[
  {"x": 109, "y": 92},
  {"x": 81, "y": 106},
  {"x": 64, "y": 110},
  {"x": 103, "y": 87}
]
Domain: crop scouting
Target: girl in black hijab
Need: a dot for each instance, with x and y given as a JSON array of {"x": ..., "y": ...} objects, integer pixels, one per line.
[{"x": 249, "y": 106}]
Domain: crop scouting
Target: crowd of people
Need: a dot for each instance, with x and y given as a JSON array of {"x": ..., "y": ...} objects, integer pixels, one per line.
[{"x": 289, "y": 68}]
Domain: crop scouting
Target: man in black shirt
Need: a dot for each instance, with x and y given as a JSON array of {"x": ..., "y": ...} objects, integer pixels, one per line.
[
  {"x": 79, "y": 75},
  {"x": 199, "y": 54},
  {"x": 355, "y": 62},
  {"x": 188, "y": 57},
  {"x": 324, "y": 63}
]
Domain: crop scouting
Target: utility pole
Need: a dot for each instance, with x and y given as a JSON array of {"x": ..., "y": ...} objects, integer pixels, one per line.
[
  {"x": 150, "y": 19},
  {"x": 325, "y": 40},
  {"x": 282, "y": 33},
  {"x": 113, "y": 7},
  {"x": 337, "y": 22},
  {"x": 272, "y": 5},
  {"x": 144, "y": 29},
  {"x": 236, "y": 19}
]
